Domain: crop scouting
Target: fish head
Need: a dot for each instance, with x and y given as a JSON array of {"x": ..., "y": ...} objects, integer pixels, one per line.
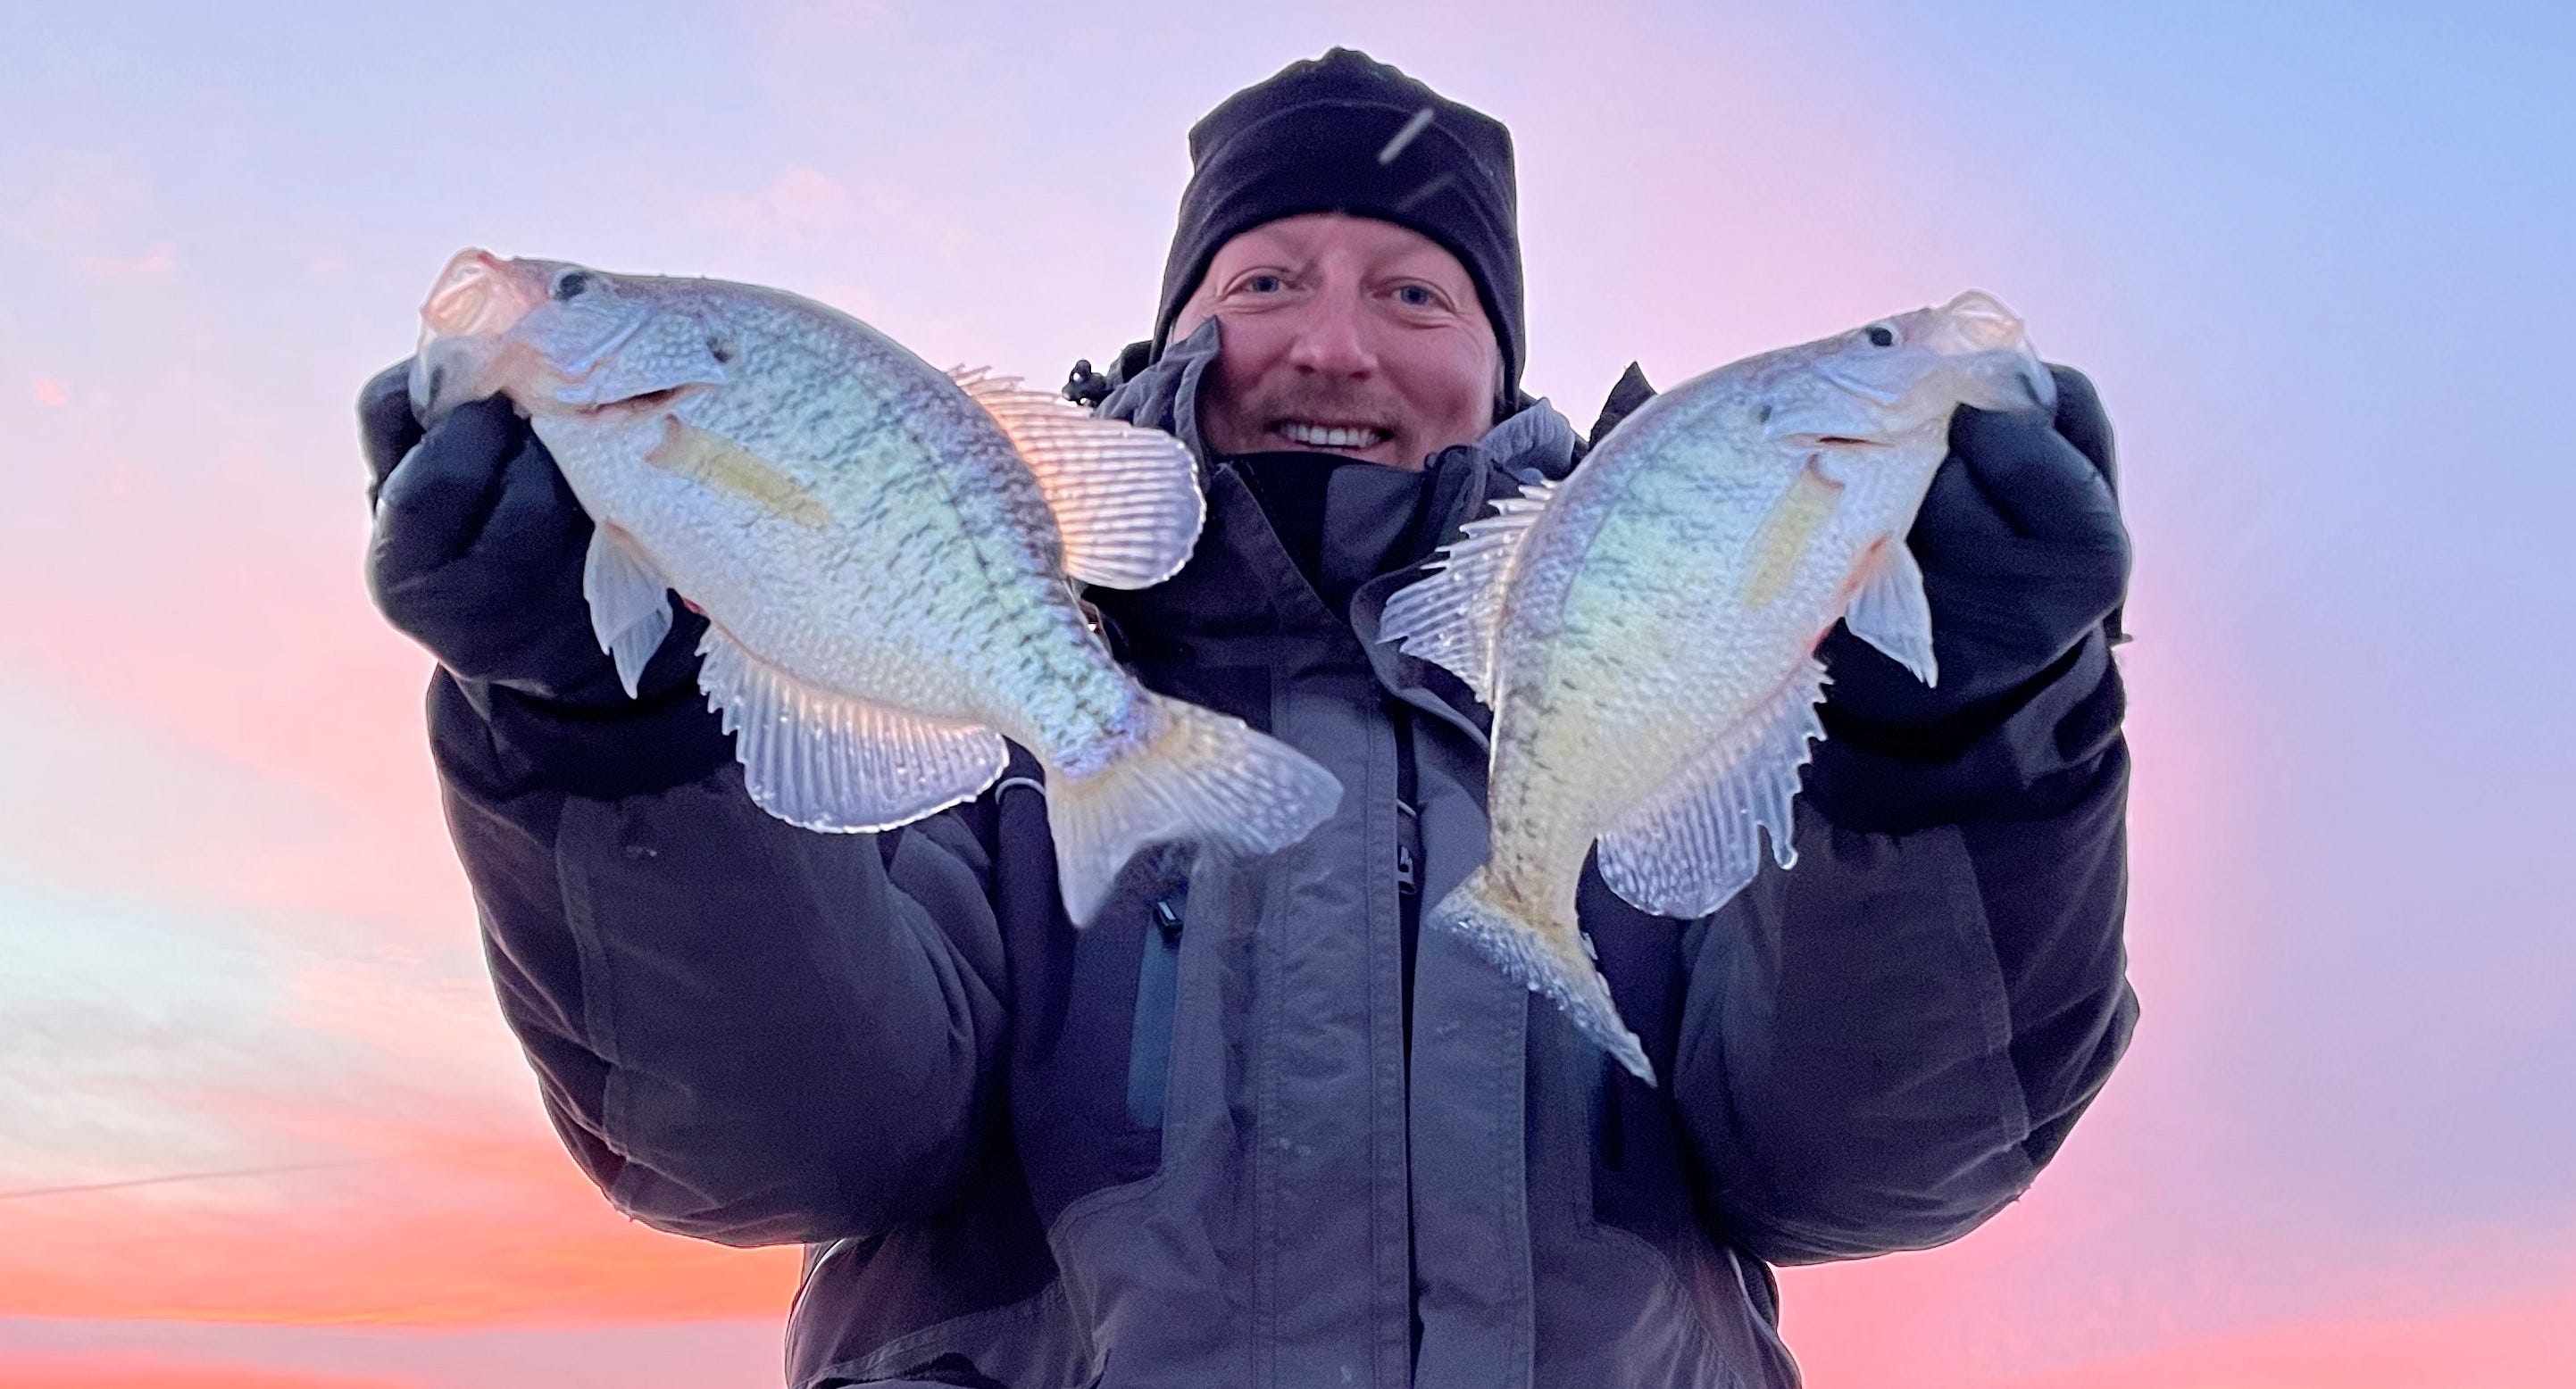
[
  {"x": 559, "y": 338},
  {"x": 1898, "y": 380}
]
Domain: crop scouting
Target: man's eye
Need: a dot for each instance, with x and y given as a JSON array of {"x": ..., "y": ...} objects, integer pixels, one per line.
[
  {"x": 1417, "y": 297},
  {"x": 1262, "y": 284}
]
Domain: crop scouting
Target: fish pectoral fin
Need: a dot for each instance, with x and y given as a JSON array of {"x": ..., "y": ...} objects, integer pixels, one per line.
[
  {"x": 1126, "y": 500},
  {"x": 1685, "y": 852},
  {"x": 1452, "y": 618},
  {"x": 1891, "y": 613},
  {"x": 820, "y": 759},
  {"x": 630, "y": 607}
]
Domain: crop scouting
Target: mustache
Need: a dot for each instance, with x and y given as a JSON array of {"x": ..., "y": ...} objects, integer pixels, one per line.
[{"x": 1325, "y": 403}]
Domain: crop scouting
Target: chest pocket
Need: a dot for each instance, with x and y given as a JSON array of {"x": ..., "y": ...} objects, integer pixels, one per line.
[
  {"x": 1158, "y": 984},
  {"x": 1091, "y": 1023}
]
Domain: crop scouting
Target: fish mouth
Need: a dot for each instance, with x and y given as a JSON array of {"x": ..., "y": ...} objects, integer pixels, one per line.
[
  {"x": 1833, "y": 441},
  {"x": 644, "y": 403}
]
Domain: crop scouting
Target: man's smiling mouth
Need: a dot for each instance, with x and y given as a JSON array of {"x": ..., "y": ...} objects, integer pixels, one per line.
[{"x": 1332, "y": 436}]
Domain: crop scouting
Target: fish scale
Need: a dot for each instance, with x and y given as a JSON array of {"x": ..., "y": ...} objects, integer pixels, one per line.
[
  {"x": 886, "y": 556},
  {"x": 1645, "y": 634}
]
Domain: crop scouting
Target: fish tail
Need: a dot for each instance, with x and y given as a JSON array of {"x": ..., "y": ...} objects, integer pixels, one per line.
[
  {"x": 1200, "y": 777},
  {"x": 1543, "y": 956}
]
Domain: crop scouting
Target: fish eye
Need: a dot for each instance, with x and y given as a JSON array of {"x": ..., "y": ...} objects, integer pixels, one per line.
[
  {"x": 569, "y": 282},
  {"x": 1880, "y": 335}
]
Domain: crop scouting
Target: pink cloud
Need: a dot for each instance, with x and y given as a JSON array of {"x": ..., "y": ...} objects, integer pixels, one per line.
[
  {"x": 92, "y": 201},
  {"x": 52, "y": 393},
  {"x": 160, "y": 260},
  {"x": 2520, "y": 1343}
]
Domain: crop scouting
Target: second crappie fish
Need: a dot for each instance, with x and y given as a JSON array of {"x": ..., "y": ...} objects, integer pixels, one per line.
[
  {"x": 882, "y": 552},
  {"x": 1645, "y": 631}
]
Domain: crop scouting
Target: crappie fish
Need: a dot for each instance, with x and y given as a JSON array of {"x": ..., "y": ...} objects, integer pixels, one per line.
[
  {"x": 882, "y": 551},
  {"x": 1645, "y": 631}
]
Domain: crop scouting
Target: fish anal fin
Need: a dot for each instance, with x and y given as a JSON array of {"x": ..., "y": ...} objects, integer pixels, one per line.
[
  {"x": 1453, "y": 617},
  {"x": 1697, "y": 842},
  {"x": 709, "y": 458},
  {"x": 1891, "y": 612},
  {"x": 1126, "y": 500},
  {"x": 820, "y": 759},
  {"x": 630, "y": 605}
]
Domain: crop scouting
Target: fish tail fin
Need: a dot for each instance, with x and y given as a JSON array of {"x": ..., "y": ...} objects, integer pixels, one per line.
[
  {"x": 1527, "y": 948},
  {"x": 1201, "y": 777}
]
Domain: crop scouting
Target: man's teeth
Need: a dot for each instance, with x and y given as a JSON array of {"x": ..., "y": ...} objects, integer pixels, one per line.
[{"x": 1324, "y": 437}]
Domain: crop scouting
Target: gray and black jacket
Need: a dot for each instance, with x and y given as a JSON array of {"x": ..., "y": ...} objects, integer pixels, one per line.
[{"x": 1243, "y": 1130}]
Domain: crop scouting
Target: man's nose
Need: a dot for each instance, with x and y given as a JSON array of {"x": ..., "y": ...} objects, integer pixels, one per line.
[{"x": 1332, "y": 338}]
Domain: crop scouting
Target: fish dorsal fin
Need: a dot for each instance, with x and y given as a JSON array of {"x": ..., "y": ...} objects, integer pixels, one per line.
[
  {"x": 630, "y": 604},
  {"x": 1891, "y": 613},
  {"x": 822, "y": 760},
  {"x": 1452, "y": 617},
  {"x": 1126, "y": 500},
  {"x": 1695, "y": 843}
]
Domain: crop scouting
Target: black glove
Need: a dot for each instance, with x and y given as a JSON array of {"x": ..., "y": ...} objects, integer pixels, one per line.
[
  {"x": 2023, "y": 557},
  {"x": 477, "y": 553}
]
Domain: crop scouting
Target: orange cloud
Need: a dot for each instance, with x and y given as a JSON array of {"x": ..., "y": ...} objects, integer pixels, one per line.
[
  {"x": 151, "y": 1372},
  {"x": 428, "y": 1212}
]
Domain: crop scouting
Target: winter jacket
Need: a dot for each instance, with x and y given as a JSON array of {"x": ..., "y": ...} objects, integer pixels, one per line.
[{"x": 1245, "y": 1129}]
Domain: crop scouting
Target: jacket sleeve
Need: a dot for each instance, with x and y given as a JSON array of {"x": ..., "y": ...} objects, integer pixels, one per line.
[
  {"x": 1880, "y": 1049},
  {"x": 743, "y": 1031}
]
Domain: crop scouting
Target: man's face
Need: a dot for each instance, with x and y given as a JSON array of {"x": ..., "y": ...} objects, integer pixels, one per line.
[{"x": 1343, "y": 335}]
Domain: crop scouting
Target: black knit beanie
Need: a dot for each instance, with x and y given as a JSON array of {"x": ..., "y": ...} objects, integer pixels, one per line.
[{"x": 1346, "y": 133}]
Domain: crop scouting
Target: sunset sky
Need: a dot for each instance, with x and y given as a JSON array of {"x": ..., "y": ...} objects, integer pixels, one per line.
[{"x": 261, "y": 1127}]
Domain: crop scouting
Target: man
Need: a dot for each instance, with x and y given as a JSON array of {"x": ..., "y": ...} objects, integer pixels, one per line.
[{"x": 1251, "y": 1126}]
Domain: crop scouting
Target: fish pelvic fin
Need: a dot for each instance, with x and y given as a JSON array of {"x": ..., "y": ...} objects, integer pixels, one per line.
[
  {"x": 1126, "y": 500},
  {"x": 1454, "y": 617},
  {"x": 1891, "y": 613},
  {"x": 1197, "y": 776},
  {"x": 822, "y": 760},
  {"x": 1695, "y": 844},
  {"x": 630, "y": 604},
  {"x": 1542, "y": 957}
]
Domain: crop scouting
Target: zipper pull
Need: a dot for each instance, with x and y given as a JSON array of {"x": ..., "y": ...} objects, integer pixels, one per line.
[{"x": 1408, "y": 880}]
